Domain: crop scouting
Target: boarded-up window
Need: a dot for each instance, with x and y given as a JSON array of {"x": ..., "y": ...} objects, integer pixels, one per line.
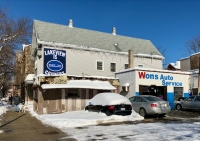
[
  {"x": 73, "y": 93},
  {"x": 113, "y": 67}
]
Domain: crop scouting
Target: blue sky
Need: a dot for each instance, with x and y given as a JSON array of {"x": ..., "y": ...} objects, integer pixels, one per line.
[{"x": 166, "y": 23}]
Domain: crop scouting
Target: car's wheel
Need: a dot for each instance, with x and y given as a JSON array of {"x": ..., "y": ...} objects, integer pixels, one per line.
[
  {"x": 143, "y": 112},
  {"x": 178, "y": 107},
  {"x": 162, "y": 115},
  {"x": 86, "y": 109},
  {"x": 108, "y": 113}
]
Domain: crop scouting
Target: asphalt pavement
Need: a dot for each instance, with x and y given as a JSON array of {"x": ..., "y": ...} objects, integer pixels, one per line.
[{"x": 24, "y": 127}]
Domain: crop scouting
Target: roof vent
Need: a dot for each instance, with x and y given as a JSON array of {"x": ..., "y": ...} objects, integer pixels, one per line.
[
  {"x": 113, "y": 31},
  {"x": 70, "y": 23}
]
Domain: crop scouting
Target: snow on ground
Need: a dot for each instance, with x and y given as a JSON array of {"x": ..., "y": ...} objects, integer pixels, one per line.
[
  {"x": 82, "y": 118},
  {"x": 83, "y": 125},
  {"x": 3, "y": 107}
]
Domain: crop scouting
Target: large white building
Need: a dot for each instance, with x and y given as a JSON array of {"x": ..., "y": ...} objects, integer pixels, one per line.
[{"x": 66, "y": 56}]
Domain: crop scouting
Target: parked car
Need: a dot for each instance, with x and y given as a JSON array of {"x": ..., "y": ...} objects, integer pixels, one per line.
[
  {"x": 192, "y": 103},
  {"x": 178, "y": 101},
  {"x": 110, "y": 103},
  {"x": 149, "y": 105}
]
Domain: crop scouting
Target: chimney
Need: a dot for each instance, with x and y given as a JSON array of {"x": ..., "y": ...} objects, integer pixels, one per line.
[
  {"x": 113, "y": 31},
  {"x": 70, "y": 23},
  {"x": 130, "y": 59}
]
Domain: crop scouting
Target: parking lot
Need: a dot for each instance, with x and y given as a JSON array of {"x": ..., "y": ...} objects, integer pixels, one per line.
[{"x": 175, "y": 116}]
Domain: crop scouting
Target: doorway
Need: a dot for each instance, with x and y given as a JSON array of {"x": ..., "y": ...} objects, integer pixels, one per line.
[{"x": 159, "y": 91}]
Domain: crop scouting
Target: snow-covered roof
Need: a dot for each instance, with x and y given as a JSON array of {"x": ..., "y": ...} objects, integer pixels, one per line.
[
  {"x": 87, "y": 84},
  {"x": 23, "y": 46},
  {"x": 190, "y": 56},
  {"x": 29, "y": 78},
  {"x": 176, "y": 65},
  {"x": 64, "y": 35}
]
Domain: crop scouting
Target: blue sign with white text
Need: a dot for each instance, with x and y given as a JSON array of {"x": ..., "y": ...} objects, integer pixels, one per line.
[{"x": 54, "y": 61}]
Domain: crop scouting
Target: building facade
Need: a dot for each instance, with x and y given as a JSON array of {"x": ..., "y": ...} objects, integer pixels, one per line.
[
  {"x": 66, "y": 58},
  {"x": 168, "y": 85}
]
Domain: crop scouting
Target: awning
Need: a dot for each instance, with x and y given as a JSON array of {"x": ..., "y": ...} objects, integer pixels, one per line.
[
  {"x": 86, "y": 84},
  {"x": 29, "y": 79}
]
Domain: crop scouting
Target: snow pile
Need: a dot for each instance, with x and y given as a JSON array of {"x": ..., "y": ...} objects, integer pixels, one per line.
[
  {"x": 2, "y": 108},
  {"x": 81, "y": 118}
]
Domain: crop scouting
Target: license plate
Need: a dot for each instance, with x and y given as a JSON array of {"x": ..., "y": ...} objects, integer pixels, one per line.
[
  {"x": 122, "y": 108},
  {"x": 164, "y": 105}
]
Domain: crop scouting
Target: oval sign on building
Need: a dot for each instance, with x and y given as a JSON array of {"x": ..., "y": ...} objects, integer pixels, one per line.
[
  {"x": 54, "y": 61},
  {"x": 54, "y": 65}
]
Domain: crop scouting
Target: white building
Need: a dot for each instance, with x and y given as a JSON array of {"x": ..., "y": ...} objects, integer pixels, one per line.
[
  {"x": 168, "y": 85},
  {"x": 66, "y": 56}
]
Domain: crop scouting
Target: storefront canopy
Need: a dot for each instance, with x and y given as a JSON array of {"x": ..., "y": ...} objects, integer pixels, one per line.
[{"x": 86, "y": 84}]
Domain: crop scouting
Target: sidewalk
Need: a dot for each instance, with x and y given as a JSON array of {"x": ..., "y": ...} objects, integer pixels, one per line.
[{"x": 24, "y": 127}]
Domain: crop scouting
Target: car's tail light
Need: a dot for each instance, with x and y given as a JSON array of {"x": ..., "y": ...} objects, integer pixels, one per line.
[
  {"x": 153, "y": 105},
  {"x": 111, "y": 107},
  {"x": 130, "y": 107}
]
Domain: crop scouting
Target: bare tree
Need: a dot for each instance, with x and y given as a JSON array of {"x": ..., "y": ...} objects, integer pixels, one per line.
[
  {"x": 162, "y": 50},
  {"x": 193, "y": 45},
  {"x": 13, "y": 33}
]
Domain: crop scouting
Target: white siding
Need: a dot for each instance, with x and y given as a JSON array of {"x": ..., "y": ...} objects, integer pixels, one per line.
[{"x": 79, "y": 62}]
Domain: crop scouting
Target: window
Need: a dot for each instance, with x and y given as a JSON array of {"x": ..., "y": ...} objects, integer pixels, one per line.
[
  {"x": 99, "y": 65},
  {"x": 113, "y": 67},
  {"x": 197, "y": 98},
  {"x": 138, "y": 99},
  {"x": 125, "y": 66},
  {"x": 72, "y": 93},
  {"x": 132, "y": 99},
  {"x": 190, "y": 98},
  {"x": 178, "y": 92}
]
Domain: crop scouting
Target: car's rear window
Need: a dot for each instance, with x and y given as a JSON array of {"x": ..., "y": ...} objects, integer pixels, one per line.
[{"x": 153, "y": 98}]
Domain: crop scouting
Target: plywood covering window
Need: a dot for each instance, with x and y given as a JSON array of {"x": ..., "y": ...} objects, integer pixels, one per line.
[
  {"x": 113, "y": 67},
  {"x": 99, "y": 65},
  {"x": 71, "y": 93}
]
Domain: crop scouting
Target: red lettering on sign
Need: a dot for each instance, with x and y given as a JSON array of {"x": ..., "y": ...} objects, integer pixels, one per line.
[{"x": 142, "y": 75}]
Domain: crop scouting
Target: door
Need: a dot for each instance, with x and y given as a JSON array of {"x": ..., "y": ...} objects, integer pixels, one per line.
[
  {"x": 188, "y": 103},
  {"x": 136, "y": 103},
  {"x": 196, "y": 103}
]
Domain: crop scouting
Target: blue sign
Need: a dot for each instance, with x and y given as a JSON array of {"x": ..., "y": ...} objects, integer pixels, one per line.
[{"x": 54, "y": 61}]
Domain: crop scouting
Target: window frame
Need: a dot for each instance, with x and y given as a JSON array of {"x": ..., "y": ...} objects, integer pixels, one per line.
[
  {"x": 125, "y": 66},
  {"x": 97, "y": 65},
  {"x": 115, "y": 66}
]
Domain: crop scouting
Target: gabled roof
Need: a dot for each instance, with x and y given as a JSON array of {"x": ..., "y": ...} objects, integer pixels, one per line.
[{"x": 55, "y": 33}]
